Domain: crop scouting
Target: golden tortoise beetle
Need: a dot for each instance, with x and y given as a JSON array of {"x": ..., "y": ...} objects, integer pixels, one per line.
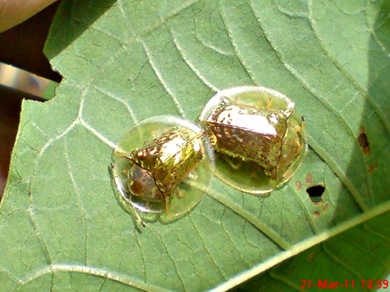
[
  {"x": 258, "y": 138},
  {"x": 161, "y": 168}
]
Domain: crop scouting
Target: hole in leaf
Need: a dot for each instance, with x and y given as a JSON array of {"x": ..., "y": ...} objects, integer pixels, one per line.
[{"x": 315, "y": 193}]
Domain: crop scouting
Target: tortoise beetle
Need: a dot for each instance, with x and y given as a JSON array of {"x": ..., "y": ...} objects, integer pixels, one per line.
[
  {"x": 258, "y": 138},
  {"x": 161, "y": 168}
]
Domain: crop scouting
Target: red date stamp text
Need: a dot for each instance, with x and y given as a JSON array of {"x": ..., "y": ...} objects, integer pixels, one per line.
[{"x": 345, "y": 284}]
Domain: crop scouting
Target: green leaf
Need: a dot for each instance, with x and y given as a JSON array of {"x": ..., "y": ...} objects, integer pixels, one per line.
[
  {"x": 61, "y": 226},
  {"x": 337, "y": 262}
]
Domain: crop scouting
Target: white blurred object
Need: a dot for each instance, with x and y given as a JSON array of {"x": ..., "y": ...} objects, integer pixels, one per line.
[{"x": 22, "y": 80}]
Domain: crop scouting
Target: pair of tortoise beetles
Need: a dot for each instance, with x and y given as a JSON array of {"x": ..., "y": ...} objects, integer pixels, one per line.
[{"x": 249, "y": 137}]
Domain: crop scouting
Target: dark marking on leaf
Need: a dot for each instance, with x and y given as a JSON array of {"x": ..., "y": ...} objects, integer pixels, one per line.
[
  {"x": 363, "y": 141},
  {"x": 372, "y": 167},
  {"x": 316, "y": 214}
]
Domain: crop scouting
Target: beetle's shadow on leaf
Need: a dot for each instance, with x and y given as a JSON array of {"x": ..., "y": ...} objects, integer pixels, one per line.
[
  {"x": 364, "y": 177},
  {"x": 87, "y": 11},
  {"x": 377, "y": 104},
  {"x": 372, "y": 138}
]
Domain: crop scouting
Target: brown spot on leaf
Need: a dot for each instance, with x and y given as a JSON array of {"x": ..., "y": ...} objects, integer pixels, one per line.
[
  {"x": 311, "y": 256},
  {"x": 326, "y": 206},
  {"x": 316, "y": 214},
  {"x": 298, "y": 185},
  {"x": 372, "y": 167},
  {"x": 309, "y": 179},
  {"x": 363, "y": 141}
]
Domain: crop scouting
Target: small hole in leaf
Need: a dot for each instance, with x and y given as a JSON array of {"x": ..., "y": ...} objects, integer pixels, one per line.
[{"x": 315, "y": 193}]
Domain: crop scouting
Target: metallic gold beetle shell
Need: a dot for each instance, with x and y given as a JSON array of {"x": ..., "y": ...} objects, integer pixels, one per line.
[
  {"x": 162, "y": 166},
  {"x": 259, "y": 140}
]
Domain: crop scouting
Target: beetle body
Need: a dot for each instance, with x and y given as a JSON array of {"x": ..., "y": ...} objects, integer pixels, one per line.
[
  {"x": 249, "y": 134},
  {"x": 160, "y": 166}
]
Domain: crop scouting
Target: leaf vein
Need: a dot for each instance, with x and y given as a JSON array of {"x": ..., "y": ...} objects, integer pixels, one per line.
[
  {"x": 160, "y": 77},
  {"x": 189, "y": 63},
  {"x": 364, "y": 93}
]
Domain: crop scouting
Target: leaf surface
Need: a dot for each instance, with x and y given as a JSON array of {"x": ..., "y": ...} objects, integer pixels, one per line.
[{"x": 124, "y": 61}]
